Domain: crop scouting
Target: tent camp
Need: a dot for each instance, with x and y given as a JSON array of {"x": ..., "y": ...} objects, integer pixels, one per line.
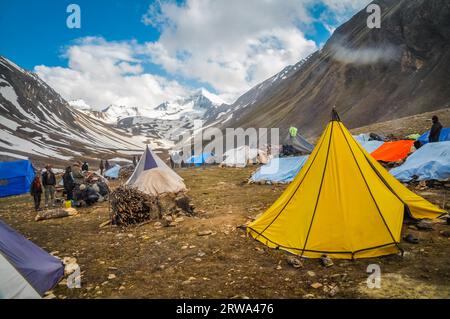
[
  {"x": 113, "y": 172},
  {"x": 279, "y": 170},
  {"x": 343, "y": 203},
  {"x": 15, "y": 177},
  {"x": 444, "y": 136},
  {"x": 244, "y": 155},
  {"x": 26, "y": 270},
  {"x": 431, "y": 161},
  {"x": 154, "y": 177},
  {"x": 393, "y": 151},
  {"x": 299, "y": 143}
]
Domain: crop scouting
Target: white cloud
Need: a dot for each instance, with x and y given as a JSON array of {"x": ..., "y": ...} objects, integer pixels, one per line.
[
  {"x": 104, "y": 73},
  {"x": 230, "y": 45}
]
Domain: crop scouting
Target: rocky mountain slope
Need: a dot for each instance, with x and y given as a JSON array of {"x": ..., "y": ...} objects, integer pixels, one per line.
[
  {"x": 36, "y": 122},
  {"x": 370, "y": 75}
]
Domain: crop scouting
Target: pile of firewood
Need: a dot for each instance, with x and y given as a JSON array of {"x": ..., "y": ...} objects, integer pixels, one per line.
[
  {"x": 130, "y": 206},
  {"x": 126, "y": 172}
]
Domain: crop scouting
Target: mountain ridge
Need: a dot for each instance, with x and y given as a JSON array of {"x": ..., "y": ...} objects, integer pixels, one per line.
[{"x": 370, "y": 75}]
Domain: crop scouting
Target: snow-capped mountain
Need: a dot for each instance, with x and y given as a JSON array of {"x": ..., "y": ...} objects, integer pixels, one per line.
[
  {"x": 171, "y": 119},
  {"x": 195, "y": 106},
  {"x": 36, "y": 122}
]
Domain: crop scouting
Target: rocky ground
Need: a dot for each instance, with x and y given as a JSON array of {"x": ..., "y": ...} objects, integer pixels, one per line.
[
  {"x": 207, "y": 256},
  {"x": 402, "y": 127}
]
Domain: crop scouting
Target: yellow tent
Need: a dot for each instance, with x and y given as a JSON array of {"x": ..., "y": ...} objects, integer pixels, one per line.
[{"x": 342, "y": 203}]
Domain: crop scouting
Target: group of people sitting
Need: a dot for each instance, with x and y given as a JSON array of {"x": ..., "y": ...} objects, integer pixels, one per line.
[{"x": 76, "y": 188}]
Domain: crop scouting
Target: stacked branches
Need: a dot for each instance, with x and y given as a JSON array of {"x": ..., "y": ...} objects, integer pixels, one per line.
[{"x": 130, "y": 206}]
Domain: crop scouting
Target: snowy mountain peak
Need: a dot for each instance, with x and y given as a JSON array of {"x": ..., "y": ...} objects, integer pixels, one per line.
[{"x": 215, "y": 99}]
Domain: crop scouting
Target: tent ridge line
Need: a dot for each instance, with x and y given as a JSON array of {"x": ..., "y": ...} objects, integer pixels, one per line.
[
  {"x": 322, "y": 251},
  {"x": 370, "y": 191},
  {"x": 320, "y": 189},
  {"x": 304, "y": 176}
]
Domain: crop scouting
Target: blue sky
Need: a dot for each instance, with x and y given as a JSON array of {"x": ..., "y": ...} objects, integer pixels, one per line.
[
  {"x": 35, "y": 32},
  {"x": 171, "y": 44}
]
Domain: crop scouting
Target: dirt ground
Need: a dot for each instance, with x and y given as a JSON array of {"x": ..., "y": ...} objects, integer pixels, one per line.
[{"x": 176, "y": 262}]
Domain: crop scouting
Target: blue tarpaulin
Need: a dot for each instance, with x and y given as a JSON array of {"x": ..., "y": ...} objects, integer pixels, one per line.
[
  {"x": 431, "y": 161},
  {"x": 279, "y": 170},
  {"x": 113, "y": 172},
  {"x": 444, "y": 136},
  {"x": 33, "y": 270},
  {"x": 199, "y": 160},
  {"x": 15, "y": 177}
]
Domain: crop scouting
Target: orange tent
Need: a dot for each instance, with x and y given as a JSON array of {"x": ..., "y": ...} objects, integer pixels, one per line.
[{"x": 393, "y": 151}]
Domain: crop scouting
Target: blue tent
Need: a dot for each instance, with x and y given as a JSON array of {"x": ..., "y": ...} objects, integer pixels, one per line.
[
  {"x": 431, "y": 161},
  {"x": 15, "y": 177},
  {"x": 445, "y": 136},
  {"x": 279, "y": 170},
  {"x": 113, "y": 172},
  {"x": 26, "y": 270},
  {"x": 200, "y": 159}
]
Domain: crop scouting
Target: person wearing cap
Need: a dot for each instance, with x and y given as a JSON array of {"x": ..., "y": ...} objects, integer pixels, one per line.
[{"x": 49, "y": 183}]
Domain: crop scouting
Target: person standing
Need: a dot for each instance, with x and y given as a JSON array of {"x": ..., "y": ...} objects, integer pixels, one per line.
[
  {"x": 69, "y": 183},
  {"x": 49, "y": 183},
  {"x": 172, "y": 163},
  {"x": 107, "y": 166},
  {"x": 102, "y": 167},
  {"x": 134, "y": 161},
  {"x": 36, "y": 191},
  {"x": 435, "y": 130}
]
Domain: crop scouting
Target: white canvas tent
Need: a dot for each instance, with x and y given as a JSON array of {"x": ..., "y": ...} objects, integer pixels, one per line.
[
  {"x": 152, "y": 176},
  {"x": 244, "y": 155}
]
